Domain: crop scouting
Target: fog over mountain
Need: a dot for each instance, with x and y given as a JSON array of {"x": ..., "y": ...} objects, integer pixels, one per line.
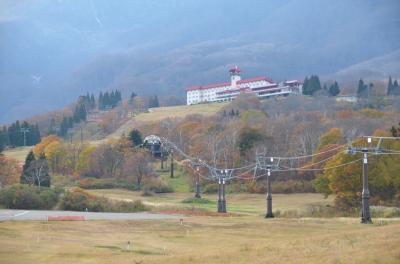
[{"x": 53, "y": 51}]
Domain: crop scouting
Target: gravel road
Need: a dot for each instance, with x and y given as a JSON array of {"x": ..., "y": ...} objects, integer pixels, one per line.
[{"x": 39, "y": 215}]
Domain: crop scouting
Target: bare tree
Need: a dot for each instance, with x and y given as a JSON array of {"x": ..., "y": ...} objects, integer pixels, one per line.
[
  {"x": 137, "y": 165},
  {"x": 38, "y": 173},
  {"x": 106, "y": 162}
]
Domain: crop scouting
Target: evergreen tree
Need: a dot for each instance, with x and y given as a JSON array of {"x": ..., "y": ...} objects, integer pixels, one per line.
[
  {"x": 2, "y": 143},
  {"x": 18, "y": 136},
  {"x": 316, "y": 84},
  {"x": 6, "y": 137},
  {"x": 390, "y": 86},
  {"x": 101, "y": 101},
  {"x": 37, "y": 136},
  {"x": 14, "y": 134},
  {"x": 70, "y": 122},
  {"x": 311, "y": 85},
  {"x": 153, "y": 102},
  {"x": 37, "y": 172},
  {"x": 52, "y": 126},
  {"x": 31, "y": 135},
  {"x": 28, "y": 161},
  {"x": 395, "y": 131},
  {"x": 26, "y": 136},
  {"x": 362, "y": 89},
  {"x": 82, "y": 112},
  {"x": 136, "y": 137},
  {"x": 113, "y": 99},
  {"x": 334, "y": 89},
  {"x": 132, "y": 97},
  {"x": 107, "y": 101},
  {"x": 305, "y": 86},
  {"x": 92, "y": 102},
  {"x": 76, "y": 115},
  {"x": 11, "y": 134},
  {"x": 119, "y": 96},
  {"x": 64, "y": 126},
  {"x": 396, "y": 88},
  {"x": 4, "y": 140}
]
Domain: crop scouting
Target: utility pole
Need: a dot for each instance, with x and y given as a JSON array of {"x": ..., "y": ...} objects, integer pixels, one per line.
[
  {"x": 365, "y": 212},
  {"x": 365, "y": 217},
  {"x": 197, "y": 195},
  {"x": 25, "y": 130},
  {"x": 172, "y": 164},
  {"x": 269, "y": 193},
  {"x": 219, "y": 195},
  {"x": 263, "y": 164},
  {"x": 221, "y": 190},
  {"x": 223, "y": 196},
  {"x": 162, "y": 159}
]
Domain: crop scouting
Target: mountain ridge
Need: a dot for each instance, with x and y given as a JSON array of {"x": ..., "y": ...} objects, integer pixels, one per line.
[{"x": 56, "y": 51}]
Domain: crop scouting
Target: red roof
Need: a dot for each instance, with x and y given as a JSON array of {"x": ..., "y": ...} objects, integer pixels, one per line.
[
  {"x": 234, "y": 90},
  {"x": 199, "y": 87},
  {"x": 293, "y": 81},
  {"x": 256, "y": 79}
]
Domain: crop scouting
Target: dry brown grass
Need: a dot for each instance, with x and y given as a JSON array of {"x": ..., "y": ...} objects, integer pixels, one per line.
[
  {"x": 160, "y": 113},
  {"x": 201, "y": 240},
  {"x": 157, "y": 114},
  {"x": 243, "y": 203},
  {"x": 18, "y": 154}
]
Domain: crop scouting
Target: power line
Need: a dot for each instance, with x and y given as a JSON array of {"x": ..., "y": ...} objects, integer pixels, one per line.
[
  {"x": 311, "y": 155},
  {"x": 262, "y": 163},
  {"x": 309, "y": 165},
  {"x": 326, "y": 168}
]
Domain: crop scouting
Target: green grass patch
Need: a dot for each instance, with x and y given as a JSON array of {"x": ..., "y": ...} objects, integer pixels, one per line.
[
  {"x": 193, "y": 200},
  {"x": 145, "y": 252},
  {"x": 108, "y": 247},
  {"x": 180, "y": 181}
]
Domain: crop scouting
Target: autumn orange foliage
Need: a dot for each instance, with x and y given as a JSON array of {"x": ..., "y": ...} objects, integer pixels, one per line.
[{"x": 46, "y": 141}]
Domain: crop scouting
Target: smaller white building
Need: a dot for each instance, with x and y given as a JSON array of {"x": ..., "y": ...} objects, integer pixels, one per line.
[
  {"x": 347, "y": 98},
  {"x": 262, "y": 87}
]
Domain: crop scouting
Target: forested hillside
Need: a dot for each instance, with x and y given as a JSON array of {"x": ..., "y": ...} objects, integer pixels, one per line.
[{"x": 318, "y": 128}]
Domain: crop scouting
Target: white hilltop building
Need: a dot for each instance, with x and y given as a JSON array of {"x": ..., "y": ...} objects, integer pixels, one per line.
[{"x": 262, "y": 87}]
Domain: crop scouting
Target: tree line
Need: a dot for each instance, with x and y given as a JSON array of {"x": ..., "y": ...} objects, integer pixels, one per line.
[
  {"x": 19, "y": 134},
  {"x": 79, "y": 115},
  {"x": 312, "y": 86},
  {"x": 84, "y": 105},
  {"x": 153, "y": 102},
  {"x": 109, "y": 100},
  {"x": 113, "y": 163},
  {"x": 393, "y": 87}
]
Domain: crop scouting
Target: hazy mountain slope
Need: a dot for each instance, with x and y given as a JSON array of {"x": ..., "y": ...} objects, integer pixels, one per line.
[
  {"x": 284, "y": 45},
  {"x": 377, "y": 68},
  {"x": 55, "y": 50}
]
